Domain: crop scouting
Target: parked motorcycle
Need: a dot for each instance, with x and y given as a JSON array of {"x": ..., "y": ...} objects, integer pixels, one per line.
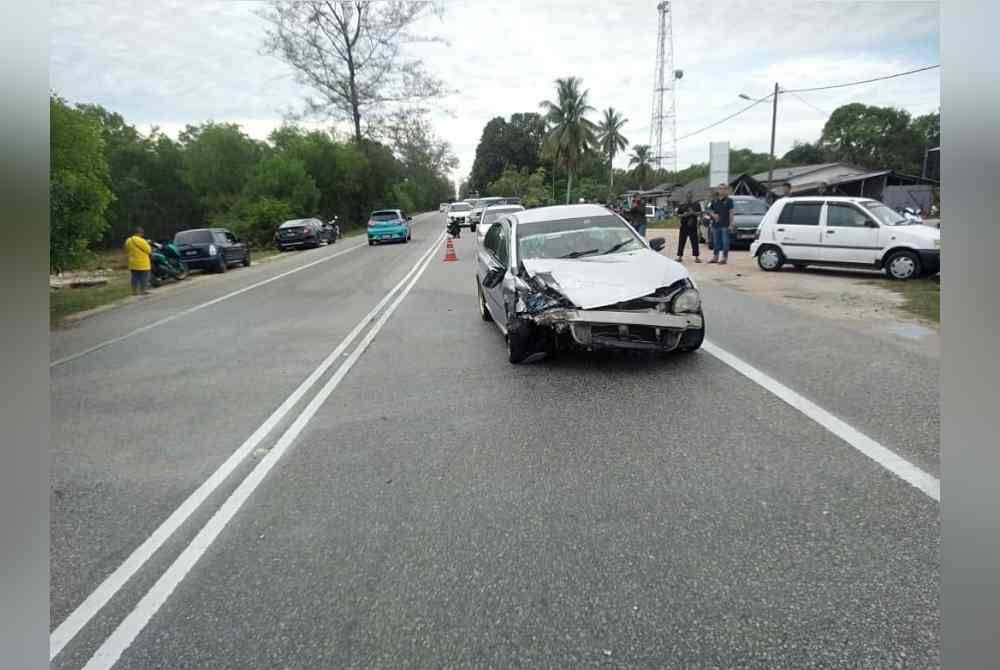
[
  {"x": 166, "y": 263},
  {"x": 454, "y": 228},
  {"x": 911, "y": 214}
]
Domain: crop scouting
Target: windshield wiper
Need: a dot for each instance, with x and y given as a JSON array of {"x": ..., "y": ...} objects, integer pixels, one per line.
[
  {"x": 617, "y": 247},
  {"x": 577, "y": 254}
]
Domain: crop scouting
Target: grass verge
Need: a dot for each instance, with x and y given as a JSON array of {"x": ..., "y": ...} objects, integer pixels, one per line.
[
  {"x": 923, "y": 296},
  {"x": 67, "y": 301}
]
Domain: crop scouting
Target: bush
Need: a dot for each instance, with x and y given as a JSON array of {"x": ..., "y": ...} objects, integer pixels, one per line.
[{"x": 257, "y": 220}]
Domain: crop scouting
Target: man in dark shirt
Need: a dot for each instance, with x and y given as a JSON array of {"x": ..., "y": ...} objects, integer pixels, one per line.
[
  {"x": 723, "y": 218},
  {"x": 637, "y": 216},
  {"x": 689, "y": 212}
]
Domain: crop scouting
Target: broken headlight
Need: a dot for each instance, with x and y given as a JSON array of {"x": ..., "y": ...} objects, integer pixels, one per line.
[{"x": 687, "y": 301}]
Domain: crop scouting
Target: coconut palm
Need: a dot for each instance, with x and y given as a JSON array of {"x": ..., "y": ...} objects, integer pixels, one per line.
[
  {"x": 571, "y": 133},
  {"x": 642, "y": 161},
  {"x": 611, "y": 140}
]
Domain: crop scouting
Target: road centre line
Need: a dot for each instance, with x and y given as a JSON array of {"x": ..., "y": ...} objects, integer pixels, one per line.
[
  {"x": 885, "y": 457},
  {"x": 77, "y": 619},
  {"x": 196, "y": 308},
  {"x": 115, "y": 645}
]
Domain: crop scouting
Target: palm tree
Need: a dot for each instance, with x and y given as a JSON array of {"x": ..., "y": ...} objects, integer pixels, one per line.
[
  {"x": 611, "y": 140},
  {"x": 642, "y": 161},
  {"x": 571, "y": 133}
]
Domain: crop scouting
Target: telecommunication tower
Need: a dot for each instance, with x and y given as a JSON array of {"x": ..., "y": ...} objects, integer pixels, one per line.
[{"x": 664, "y": 113}]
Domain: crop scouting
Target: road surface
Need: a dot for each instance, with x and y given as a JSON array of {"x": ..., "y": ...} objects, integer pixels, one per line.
[{"x": 326, "y": 461}]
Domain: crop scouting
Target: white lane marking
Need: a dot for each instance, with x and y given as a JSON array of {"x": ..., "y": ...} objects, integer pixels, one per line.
[
  {"x": 887, "y": 458},
  {"x": 126, "y": 632},
  {"x": 196, "y": 308},
  {"x": 72, "y": 625}
]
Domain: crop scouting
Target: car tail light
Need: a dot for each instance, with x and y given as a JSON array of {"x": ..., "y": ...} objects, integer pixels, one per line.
[
  {"x": 310, "y": 232},
  {"x": 371, "y": 222}
]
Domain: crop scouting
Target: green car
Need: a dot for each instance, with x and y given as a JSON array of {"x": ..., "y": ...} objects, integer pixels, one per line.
[{"x": 388, "y": 225}]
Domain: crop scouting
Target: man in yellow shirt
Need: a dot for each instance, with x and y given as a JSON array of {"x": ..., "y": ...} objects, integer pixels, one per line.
[{"x": 138, "y": 251}]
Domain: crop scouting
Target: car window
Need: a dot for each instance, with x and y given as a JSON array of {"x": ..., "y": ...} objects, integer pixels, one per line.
[
  {"x": 461, "y": 207},
  {"x": 220, "y": 237},
  {"x": 840, "y": 215},
  {"x": 750, "y": 207},
  {"x": 492, "y": 239},
  {"x": 230, "y": 237},
  {"x": 503, "y": 244},
  {"x": 574, "y": 238},
  {"x": 885, "y": 214},
  {"x": 800, "y": 213},
  {"x": 193, "y": 237},
  {"x": 384, "y": 216}
]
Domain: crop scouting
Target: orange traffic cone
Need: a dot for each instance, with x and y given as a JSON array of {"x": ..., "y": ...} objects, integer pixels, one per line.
[{"x": 449, "y": 254}]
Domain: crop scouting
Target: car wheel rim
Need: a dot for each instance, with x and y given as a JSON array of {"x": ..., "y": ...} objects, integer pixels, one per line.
[
  {"x": 769, "y": 259},
  {"x": 902, "y": 267}
]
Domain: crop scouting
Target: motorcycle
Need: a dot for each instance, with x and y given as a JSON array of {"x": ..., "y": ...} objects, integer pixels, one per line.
[
  {"x": 910, "y": 214},
  {"x": 454, "y": 228},
  {"x": 166, "y": 263}
]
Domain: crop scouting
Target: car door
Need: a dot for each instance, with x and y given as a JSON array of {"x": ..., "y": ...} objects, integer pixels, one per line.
[
  {"x": 849, "y": 235},
  {"x": 491, "y": 269},
  {"x": 798, "y": 230},
  {"x": 223, "y": 243}
]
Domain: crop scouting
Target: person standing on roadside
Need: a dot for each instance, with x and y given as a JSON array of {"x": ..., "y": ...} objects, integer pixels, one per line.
[
  {"x": 637, "y": 216},
  {"x": 139, "y": 253},
  {"x": 689, "y": 212},
  {"x": 723, "y": 219}
]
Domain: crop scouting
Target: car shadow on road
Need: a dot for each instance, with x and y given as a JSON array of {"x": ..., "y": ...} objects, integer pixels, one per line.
[{"x": 611, "y": 361}]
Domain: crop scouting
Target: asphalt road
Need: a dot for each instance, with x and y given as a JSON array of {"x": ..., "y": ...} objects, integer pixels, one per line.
[{"x": 438, "y": 507}]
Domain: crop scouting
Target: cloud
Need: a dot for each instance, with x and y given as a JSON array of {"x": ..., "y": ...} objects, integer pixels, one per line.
[{"x": 176, "y": 63}]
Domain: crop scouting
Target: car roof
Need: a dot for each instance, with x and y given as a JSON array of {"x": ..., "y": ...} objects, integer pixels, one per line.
[
  {"x": 559, "y": 212},
  {"x": 294, "y": 222},
  {"x": 387, "y": 211},
  {"x": 504, "y": 209},
  {"x": 746, "y": 197},
  {"x": 830, "y": 198}
]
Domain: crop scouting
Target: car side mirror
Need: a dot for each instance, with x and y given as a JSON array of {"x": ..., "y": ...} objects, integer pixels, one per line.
[
  {"x": 494, "y": 277},
  {"x": 870, "y": 224},
  {"x": 657, "y": 243}
]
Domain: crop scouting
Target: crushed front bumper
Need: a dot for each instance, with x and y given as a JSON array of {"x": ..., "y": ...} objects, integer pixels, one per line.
[{"x": 649, "y": 330}]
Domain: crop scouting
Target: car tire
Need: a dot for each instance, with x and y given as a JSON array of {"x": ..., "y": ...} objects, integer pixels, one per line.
[
  {"x": 518, "y": 340},
  {"x": 221, "y": 265},
  {"x": 770, "y": 258},
  {"x": 903, "y": 265},
  {"x": 246, "y": 260},
  {"x": 154, "y": 281},
  {"x": 472, "y": 229},
  {"x": 484, "y": 312},
  {"x": 371, "y": 243},
  {"x": 691, "y": 340}
]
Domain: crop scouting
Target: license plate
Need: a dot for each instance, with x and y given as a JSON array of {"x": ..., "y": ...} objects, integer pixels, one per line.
[
  {"x": 387, "y": 237},
  {"x": 193, "y": 252}
]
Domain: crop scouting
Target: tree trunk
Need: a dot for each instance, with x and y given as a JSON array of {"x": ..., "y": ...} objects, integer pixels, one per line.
[{"x": 569, "y": 185}]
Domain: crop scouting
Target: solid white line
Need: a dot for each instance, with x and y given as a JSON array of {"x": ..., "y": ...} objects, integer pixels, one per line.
[
  {"x": 191, "y": 310},
  {"x": 72, "y": 625},
  {"x": 126, "y": 632},
  {"x": 887, "y": 458}
]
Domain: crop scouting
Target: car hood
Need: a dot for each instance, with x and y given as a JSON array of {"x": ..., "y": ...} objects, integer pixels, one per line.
[
  {"x": 596, "y": 281},
  {"x": 917, "y": 231},
  {"x": 748, "y": 220}
]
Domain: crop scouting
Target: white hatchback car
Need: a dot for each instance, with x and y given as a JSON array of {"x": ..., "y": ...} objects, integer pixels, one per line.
[{"x": 845, "y": 231}]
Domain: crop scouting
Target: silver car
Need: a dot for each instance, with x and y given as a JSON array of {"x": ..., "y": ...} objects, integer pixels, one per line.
[{"x": 579, "y": 277}]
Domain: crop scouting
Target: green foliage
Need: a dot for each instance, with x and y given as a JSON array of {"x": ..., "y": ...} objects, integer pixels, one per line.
[
  {"x": 284, "y": 177},
  {"x": 805, "y": 153},
  {"x": 507, "y": 144},
  {"x": 255, "y": 220},
  {"x": 874, "y": 137},
  {"x": 571, "y": 134},
  {"x": 219, "y": 159},
  {"x": 78, "y": 184}
]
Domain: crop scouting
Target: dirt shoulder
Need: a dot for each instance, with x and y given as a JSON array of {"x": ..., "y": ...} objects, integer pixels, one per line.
[{"x": 833, "y": 294}]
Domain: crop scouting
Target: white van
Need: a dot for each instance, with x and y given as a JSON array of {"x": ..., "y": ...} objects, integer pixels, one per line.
[{"x": 842, "y": 231}]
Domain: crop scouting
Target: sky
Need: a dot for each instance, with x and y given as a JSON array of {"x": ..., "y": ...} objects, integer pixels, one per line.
[{"x": 168, "y": 64}]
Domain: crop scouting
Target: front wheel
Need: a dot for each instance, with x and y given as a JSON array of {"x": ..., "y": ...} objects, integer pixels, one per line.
[
  {"x": 518, "y": 342},
  {"x": 222, "y": 265},
  {"x": 770, "y": 259},
  {"x": 903, "y": 265},
  {"x": 692, "y": 339},
  {"x": 246, "y": 260},
  {"x": 484, "y": 312},
  {"x": 155, "y": 281}
]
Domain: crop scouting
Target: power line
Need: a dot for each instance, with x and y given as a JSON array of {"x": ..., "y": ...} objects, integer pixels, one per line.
[
  {"x": 806, "y": 102},
  {"x": 720, "y": 121},
  {"x": 855, "y": 83}
]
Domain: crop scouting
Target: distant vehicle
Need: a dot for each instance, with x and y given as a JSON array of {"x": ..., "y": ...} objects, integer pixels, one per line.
[
  {"x": 443, "y": 207},
  {"x": 748, "y": 210},
  {"x": 578, "y": 276},
  {"x": 490, "y": 215},
  {"x": 477, "y": 210},
  {"x": 303, "y": 233},
  {"x": 459, "y": 213},
  {"x": 845, "y": 231},
  {"x": 388, "y": 225},
  {"x": 211, "y": 249}
]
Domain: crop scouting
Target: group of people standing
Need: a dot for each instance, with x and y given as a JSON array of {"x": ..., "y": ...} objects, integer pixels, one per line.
[{"x": 722, "y": 217}]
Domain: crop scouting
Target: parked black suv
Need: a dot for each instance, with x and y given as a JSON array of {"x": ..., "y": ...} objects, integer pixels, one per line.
[
  {"x": 303, "y": 233},
  {"x": 211, "y": 249}
]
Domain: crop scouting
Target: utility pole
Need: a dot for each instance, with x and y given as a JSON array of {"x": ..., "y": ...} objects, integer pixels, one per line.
[{"x": 774, "y": 118}]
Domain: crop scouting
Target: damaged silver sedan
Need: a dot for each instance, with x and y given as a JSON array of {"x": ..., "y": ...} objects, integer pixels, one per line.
[{"x": 579, "y": 277}]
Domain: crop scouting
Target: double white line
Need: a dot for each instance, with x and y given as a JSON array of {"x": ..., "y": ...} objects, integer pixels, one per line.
[{"x": 112, "y": 648}]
